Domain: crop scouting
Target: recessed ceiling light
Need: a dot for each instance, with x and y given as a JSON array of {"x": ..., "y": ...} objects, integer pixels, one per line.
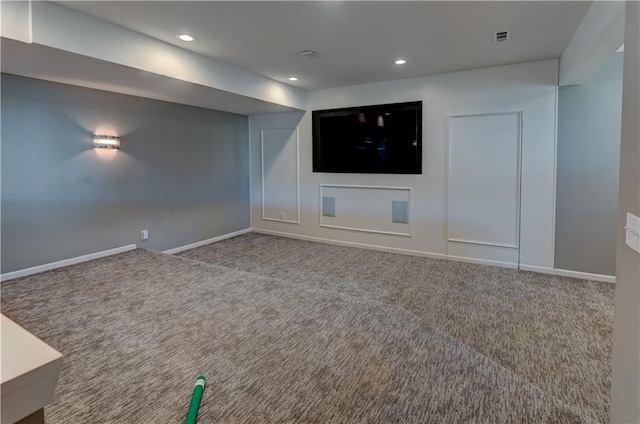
[
  {"x": 186, "y": 37},
  {"x": 293, "y": 78},
  {"x": 400, "y": 62}
]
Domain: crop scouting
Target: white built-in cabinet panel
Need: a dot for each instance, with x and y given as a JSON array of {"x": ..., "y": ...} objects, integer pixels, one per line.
[
  {"x": 280, "y": 175},
  {"x": 484, "y": 181}
]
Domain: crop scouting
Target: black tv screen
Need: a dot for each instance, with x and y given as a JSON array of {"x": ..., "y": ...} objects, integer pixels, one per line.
[{"x": 381, "y": 139}]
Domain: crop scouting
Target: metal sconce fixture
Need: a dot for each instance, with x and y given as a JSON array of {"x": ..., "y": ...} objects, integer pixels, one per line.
[{"x": 105, "y": 141}]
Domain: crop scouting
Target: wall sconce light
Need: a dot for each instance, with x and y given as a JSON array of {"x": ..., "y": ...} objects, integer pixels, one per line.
[{"x": 105, "y": 141}]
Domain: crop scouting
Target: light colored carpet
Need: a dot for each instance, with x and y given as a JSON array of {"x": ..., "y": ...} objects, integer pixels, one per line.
[
  {"x": 137, "y": 328},
  {"x": 552, "y": 331}
]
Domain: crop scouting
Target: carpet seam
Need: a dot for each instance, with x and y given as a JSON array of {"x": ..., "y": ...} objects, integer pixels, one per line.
[{"x": 396, "y": 307}]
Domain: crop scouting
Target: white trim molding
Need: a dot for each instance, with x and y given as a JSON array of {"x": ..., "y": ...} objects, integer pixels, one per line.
[
  {"x": 448, "y": 165},
  {"x": 353, "y": 244},
  {"x": 264, "y": 218},
  {"x": 368, "y": 230},
  {"x": 552, "y": 247},
  {"x": 442, "y": 256},
  {"x": 568, "y": 273},
  {"x": 483, "y": 243},
  {"x": 207, "y": 241},
  {"x": 65, "y": 262},
  {"x": 501, "y": 264}
]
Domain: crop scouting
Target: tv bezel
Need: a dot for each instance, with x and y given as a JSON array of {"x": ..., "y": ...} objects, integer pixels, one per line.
[{"x": 388, "y": 107}]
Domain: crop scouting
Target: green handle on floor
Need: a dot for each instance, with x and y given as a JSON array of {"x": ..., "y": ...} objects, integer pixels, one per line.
[{"x": 192, "y": 413}]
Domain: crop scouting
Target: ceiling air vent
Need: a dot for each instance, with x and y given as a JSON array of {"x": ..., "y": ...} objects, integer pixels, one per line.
[{"x": 502, "y": 36}]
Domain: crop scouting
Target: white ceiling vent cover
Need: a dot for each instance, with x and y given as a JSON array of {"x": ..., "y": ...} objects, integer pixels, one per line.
[{"x": 502, "y": 36}]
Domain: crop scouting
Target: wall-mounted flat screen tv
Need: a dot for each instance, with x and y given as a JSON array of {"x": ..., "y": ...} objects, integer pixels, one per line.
[{"x": 381, "y": 139}]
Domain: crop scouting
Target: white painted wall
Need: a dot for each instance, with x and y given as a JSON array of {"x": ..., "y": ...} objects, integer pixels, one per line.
[
  {"x": 15, "y": 20},
  {"x": 530, "y": 88},
  {"x": 279, "y": 165},
  {"x": 49, "y": 24},
  {"x": 484, "y": 161},
  {"x": 600, "y": 34},
  {"x": 367, "y": 208}
]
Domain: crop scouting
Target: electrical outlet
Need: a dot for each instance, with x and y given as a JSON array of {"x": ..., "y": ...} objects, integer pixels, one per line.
[
  {"x": 632, "y": 232},
  {"x": 282, "y": 216},
  {"x": 144, "y": 235}
]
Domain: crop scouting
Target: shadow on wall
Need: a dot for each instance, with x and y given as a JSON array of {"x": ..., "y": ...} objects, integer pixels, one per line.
[{"x": 588, "y": 162}]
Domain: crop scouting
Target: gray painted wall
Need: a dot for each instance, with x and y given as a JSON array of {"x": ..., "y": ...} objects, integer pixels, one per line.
[
  {"x": 625, "y": 385},
  {"x": 182, "y": 173},
  {"x": 589, "y": 126}
]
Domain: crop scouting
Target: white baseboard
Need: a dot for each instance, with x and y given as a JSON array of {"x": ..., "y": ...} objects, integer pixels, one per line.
[
  {"x": 410, "y": 252},
  {"x": 353, "y": 244},
  {"x": 544, "y": 270},
  {"x": 66, "y": 262},
  {"x": 568, "y": 273},
  {"x": 482, "y": 261},
  {"x": 207, "y": 241}
]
